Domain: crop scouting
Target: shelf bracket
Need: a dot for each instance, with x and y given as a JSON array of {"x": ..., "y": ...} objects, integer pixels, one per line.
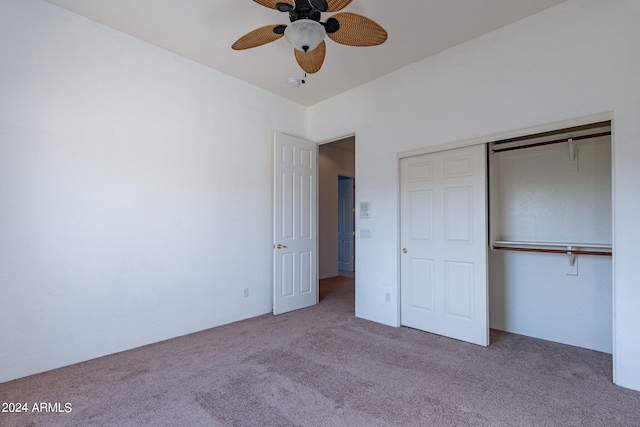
[
  {"x": 572, "y": 150},
  {"x": 572, "y": 268},
  {"x": 572, "y": 162},
  {"x": 572, "y": 256}
]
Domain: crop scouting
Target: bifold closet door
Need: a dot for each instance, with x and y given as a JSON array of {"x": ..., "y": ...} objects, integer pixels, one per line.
[{"x": 443, "y": 213}]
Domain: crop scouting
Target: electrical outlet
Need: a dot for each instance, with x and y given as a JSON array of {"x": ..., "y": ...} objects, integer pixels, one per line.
[
  {"x": 246, "y": 292},
  {"x": 387, "y": 297}
]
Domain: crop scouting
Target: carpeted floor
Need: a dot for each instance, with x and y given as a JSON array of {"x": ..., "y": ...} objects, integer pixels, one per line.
[{"x": 323, "y": 367}]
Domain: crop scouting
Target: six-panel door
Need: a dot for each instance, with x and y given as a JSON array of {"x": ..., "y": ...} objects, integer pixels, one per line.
[
  {"x": 295, "y": 217},
  {"x": 444, "y": 243}
]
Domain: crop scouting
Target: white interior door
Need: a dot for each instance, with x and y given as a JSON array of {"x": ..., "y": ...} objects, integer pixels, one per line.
[
  {"x": 444, "y": 240},
  {"x": 346, "y": 224},
  {"x": 295, "y": 282}
]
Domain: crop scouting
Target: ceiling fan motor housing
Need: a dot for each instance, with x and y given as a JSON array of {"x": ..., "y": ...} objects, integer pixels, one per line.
[
  {"x": 307, "y": 9},
  {"x": 303, "y": 10}
]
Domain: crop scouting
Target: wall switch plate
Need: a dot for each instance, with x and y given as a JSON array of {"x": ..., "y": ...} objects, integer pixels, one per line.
[
  {"x": 387, "y": 297},
  {"x": 246, "y": 292},
  {"x": 365, "y": 209},
  {"x": 365, "y": 233}
]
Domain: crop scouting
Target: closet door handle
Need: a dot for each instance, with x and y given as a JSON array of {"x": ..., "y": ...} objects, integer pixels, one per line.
[{"x": 404, "y": 250}]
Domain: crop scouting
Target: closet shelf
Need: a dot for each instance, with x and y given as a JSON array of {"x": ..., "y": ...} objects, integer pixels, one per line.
[{"x": 553, "y": 247}]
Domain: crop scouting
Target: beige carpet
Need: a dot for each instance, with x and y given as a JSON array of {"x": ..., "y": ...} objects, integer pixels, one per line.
[{"x": 323, "y": 367}]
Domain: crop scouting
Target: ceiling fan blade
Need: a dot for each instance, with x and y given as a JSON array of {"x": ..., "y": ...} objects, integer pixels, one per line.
[
  {"x": 258, "y": 37},
  {"x": 336, "y": 5},
  {"x": 273, "y": 4},
  {"x": 311, "y": 62},
  {"x": 357, "y": 30}
]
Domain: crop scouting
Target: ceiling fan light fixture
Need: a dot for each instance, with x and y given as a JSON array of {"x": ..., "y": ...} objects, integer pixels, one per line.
[{"x": 305, "y": 34}]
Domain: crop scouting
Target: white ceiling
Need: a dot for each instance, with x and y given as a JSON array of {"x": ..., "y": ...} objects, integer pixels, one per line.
[{"x": 204, "y": 30}]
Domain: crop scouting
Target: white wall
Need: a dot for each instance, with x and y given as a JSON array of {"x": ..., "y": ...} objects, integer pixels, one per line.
[
  {"x": 577, "y": 59},
  {"x": 133, "y": 191},
  {"x": 333, "y": 161},
  {"x": 542, "y": 199}
]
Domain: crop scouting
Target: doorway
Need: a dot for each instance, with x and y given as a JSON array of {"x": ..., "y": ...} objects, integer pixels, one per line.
[{"x": 336, "y": 159}]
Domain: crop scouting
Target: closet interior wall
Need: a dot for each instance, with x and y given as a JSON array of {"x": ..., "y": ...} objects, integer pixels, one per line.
[{"x": 553, "y": 196}]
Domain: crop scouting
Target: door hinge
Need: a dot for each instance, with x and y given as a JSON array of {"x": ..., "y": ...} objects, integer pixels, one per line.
[{"x": 353, "y": 233}]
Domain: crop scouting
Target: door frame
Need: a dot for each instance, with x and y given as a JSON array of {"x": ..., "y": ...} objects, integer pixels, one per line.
[
  {"x": 317, "y": 231},
  {"x": 325, "y": 142}
]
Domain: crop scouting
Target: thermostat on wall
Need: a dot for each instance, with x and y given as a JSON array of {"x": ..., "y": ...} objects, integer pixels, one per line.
[{"x": 365, "y": 209}]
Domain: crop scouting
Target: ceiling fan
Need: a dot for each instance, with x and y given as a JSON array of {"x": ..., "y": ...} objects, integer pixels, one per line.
[{"x": 306, "y": 32}]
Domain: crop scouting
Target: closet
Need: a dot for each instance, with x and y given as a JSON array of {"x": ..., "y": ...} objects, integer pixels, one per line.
[{"x": 550, "y": 236}]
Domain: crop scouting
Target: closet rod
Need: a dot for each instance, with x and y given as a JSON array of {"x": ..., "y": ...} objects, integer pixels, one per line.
[
  {"x": 552, "y": 251},
  {"x": 557, "y": 141}
]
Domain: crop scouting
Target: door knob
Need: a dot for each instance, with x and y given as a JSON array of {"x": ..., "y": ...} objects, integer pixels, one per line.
[
  {"x": 404, "y": 250},
  {"x": 279, "y": 246}
]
